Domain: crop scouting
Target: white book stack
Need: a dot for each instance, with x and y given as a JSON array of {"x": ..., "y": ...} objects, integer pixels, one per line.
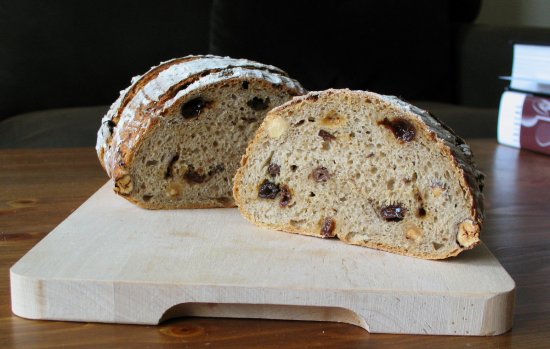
[
  {"x": 531, "y": 68},
  {"x": 524, "y": 113}
]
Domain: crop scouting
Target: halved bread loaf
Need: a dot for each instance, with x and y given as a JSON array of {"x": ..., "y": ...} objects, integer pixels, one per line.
[
  {"x": 371, "y": 170},
  {"x": 174, "y": 138}
]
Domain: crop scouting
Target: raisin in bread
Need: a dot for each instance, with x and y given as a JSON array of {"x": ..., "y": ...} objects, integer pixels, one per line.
[
  {"x": 175, "y": 136},
  {"x": 371, "y": 170}
]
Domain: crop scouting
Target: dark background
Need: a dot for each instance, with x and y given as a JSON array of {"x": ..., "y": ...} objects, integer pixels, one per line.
[
  {"x": 79, "y": 53},
  {"x": 73, "y": 54}
]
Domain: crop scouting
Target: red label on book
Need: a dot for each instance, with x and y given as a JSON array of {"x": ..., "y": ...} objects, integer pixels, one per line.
[{"x": 535, "y": 124}]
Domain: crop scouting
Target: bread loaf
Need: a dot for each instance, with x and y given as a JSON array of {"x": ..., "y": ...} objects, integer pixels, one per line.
[
  {"x": 175, "y": 136},
  {"x": 369, "y": 169}
]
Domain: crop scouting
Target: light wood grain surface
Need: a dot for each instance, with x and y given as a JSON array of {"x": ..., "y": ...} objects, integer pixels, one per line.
[
  {"x": 111, "y": 261},
  {"x": 40, "y": 188}
]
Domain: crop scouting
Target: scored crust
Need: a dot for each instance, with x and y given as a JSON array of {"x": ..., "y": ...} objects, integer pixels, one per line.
[
  {"x": 156, "y": 97},
  {"x": 441, "y": 139},
  {"x": 144, "y": 94}
]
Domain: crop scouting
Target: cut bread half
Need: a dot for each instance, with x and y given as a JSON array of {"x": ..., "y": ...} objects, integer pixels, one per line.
[
  {"x": 369, "y": 169},
  {"x": 175, "y": 137}
]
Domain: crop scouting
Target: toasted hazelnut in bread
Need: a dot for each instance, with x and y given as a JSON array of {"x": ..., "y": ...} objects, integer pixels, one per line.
[
  {"x": 368, "y": 169},
  {"x": 175, "y": 136}
]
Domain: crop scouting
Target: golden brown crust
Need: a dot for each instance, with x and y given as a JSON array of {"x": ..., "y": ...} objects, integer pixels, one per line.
[
  {"x": 145, "y": 78},
  {"x": 206, "y": 65},
  {"x": 378, "y": 246},
  {"x": 133, "y": 138},
  {"x": 445, "y": 139},
  {"x": 133, "y": 128},
  {"x": 202, "y": 205}
]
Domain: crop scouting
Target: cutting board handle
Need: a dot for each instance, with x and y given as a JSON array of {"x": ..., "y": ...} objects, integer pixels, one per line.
[{"x": 265, "y": 311}]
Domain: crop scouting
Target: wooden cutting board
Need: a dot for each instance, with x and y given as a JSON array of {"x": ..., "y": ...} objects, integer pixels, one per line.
[{"x": 111, "y": 261}]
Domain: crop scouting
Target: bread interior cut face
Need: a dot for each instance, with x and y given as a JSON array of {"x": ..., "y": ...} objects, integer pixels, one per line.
[
  {"x": 352, "y": 166},
  {"x": 190, "y": 156}
]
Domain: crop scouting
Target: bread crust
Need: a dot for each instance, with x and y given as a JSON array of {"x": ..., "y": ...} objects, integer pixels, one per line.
[
  {"x": 137, "y": 111},
  {"x": 471, "y": 179}
]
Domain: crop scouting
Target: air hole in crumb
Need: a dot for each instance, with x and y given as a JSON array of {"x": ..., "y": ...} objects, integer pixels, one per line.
[
  {"x": 390, "y": 183},
  {"x": 151, "y": 163},
  {"x": 170, "y": 168},
  {"x": 373, "y": 170},
  {"x": 258, "y": 103},
  {"x": 352, "y": 134},
  {"x": 249, "y": 120},
  {"x": 293, "y": 168},
  {"x": 437, "y": 245},
  {"x": 311, "y": 194},
  {"x": 300, "y": 123},
  {"x": 215, "y": 143},
  {"x": 421, "y": 212},
  {"x": 343, "y": 199},
  {"x": 297, "y": 221},
  {"x": 224, "y": 200},
  {"x": 146, "y": 198},
  {"x": 310, "y": 119},
  {"x": 194, "y": 107}
]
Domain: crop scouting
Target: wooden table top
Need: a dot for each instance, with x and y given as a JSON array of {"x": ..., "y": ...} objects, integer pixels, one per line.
[{"x": 39, "y": 188}]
